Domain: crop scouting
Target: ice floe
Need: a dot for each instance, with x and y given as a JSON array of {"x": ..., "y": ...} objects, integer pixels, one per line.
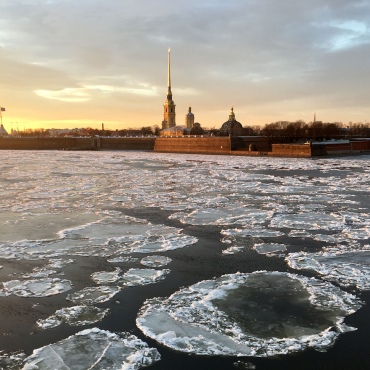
[
  {"x": 74, "y": 316},
  {"x": 92, "y": 295},
  {"x": 343, "y": 265},
  {"x": 269, "y": 248},
  {"x": 155, "y": 261},
  {"x": 220, "y": 216},
  {"x": 308, "y": 221},
  {"x": 258, "y": 314},
  {"x": 134, "y": 276},
  {"x": 123, "y": 259},
  {"x": 11, "y": 361},
  {"x": 256, "y": 232},
  {"x": 106, "y": 277},
  {"x": 114, "y": 234},
  {"x": 37, "y": 287},
  {"x": 94, "y": 349}
]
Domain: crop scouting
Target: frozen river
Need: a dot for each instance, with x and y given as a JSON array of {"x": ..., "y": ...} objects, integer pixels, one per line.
[{"x": 126, "y": 260}]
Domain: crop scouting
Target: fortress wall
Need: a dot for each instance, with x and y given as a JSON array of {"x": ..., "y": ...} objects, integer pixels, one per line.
[
  {"x": 127, "y": 143},
  {"x": 360, "y": 145},
  {"x": 291, "y": 150},
  {"x": 340, "y": 147},
  {"x": 199, "y": 145},
  {"x": 50, "y": 143},
  {"x": 259, "y": 143},
  {"x": 77, "y": 143}
]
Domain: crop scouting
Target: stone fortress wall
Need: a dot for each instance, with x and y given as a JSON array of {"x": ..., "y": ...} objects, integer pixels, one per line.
[{"x": 242, "y": 146}]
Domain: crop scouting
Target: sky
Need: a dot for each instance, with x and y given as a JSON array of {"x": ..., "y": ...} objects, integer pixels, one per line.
[{"x": 81, "y": 63}]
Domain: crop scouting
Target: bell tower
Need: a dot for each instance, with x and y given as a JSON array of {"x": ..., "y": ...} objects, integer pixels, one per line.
[{"x": 169, "y": 113}]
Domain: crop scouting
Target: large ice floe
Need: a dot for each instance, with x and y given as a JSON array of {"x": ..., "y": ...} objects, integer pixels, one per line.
[
  {"x": 113, "y": 235},
  {"x": 94, "y": 349},
  {"x": 257, "y": 314},
  {"x": 349, "y": 267},
  {"x": 36, "y": 287}
]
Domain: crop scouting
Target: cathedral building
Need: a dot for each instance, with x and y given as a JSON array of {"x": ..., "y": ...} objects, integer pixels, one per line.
[
  {"x": 232, "y": 126},
  {"x": 169, "y": 127},
  {"x": 169, "y": 107}
]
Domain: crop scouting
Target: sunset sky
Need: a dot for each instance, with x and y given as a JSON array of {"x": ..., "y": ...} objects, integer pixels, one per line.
[{"x": 81, "y": 63}]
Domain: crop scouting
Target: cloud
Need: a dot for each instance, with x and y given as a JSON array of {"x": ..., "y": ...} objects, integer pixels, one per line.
[{"x": 251, "y": 53}]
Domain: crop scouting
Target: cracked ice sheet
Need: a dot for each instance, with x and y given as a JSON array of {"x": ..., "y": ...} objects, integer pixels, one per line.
[
  {"x": 259, "y": 314},
  {"x": 114, "y": 234},
  {"x": 74, "y": 316},
  {"x": 343, "y": 265},
  {"x": 94, "y": 348},
  {"x": 36, "y": 287}
]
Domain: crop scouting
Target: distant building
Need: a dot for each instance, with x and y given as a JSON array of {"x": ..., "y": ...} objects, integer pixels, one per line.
[
  {"x": 232, "y": 126},
  {"x": 196, "y": 129},
  {"x": 173, "y": 131},
  {"x": 189, "y": 119},
  {"x": 3, "y": 132},
  {"x": 169, "y": 114}
]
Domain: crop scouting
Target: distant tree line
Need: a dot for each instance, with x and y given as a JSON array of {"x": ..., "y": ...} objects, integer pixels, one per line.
[
  {"x": 143, "y": 131},
  {"x": 285, "y": 131}
]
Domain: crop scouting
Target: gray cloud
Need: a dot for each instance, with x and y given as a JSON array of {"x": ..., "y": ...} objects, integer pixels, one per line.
[{"x": 251, "y": 53}]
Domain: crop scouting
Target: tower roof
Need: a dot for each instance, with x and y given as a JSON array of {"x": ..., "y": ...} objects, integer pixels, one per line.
[
  {"x": 2, "y": 130},
  {"x": 189, "y": 113},
  {"x": 169, "y": 92}
]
